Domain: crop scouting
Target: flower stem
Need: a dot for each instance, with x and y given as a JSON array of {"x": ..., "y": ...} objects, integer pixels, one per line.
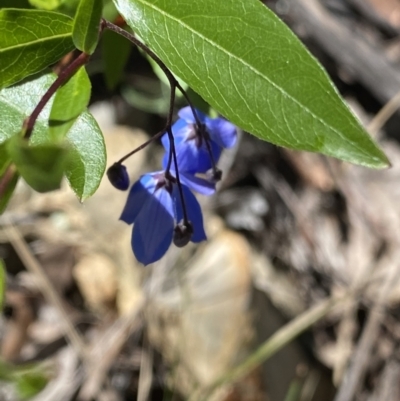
[
  {"x": 178, "y": 181},
  {"x": 174, "y": 85}
]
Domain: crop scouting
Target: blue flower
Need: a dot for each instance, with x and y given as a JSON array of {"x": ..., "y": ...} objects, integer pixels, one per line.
[
  {"x": 154, "y": 206},
  {"x": 191, "y": 149}
]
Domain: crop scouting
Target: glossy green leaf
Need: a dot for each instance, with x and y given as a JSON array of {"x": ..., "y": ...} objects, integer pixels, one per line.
[
  {"x": 41, "y": 166},
  {"x": 86, "y": 158},
  {"x": 70, "y": 101},
  {"x": 116, "y": 50},
  {"x": 249, "y": 66},
  {"x": 87, "y": 24},
  {"x": 31, "y": 40}
]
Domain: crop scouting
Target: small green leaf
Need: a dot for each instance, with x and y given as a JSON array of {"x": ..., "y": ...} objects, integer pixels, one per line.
[
  {"x": 87, "y": 24},
  {"x": 86, "y": 160},
  {"x": 86, "y": 157},
  {"x": 250, "y": 67},
  {"x": 31, "y": 40},
  {"x": 116, "y": 50},
  {"x": 41, "y": 166},
  {"x": 30, "y": 383},
  {"x": 2, "y": 283},
  {"x": 70, "y": 101},
  {"x": 8, "y": 181},
  {"x": 8, "y": 176},
  {"x": 4, "y": 158},
  {"x": 110, "y": 12}
]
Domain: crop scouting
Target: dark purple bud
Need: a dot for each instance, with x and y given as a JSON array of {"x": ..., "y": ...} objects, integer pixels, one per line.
[
  {"x": 118, "y": 176},
  {"x": 214, "y": 175},
  {"x": 182, "y": 234}
]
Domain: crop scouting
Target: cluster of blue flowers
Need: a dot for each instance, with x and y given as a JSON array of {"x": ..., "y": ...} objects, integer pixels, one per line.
[{"x": 161, "y": 204}]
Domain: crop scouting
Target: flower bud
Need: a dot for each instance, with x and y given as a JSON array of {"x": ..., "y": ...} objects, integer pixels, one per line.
[
  {"x": 214, "y": 175},
  {"x": 118, "y": 176},
  {"x": 182, "y": 234}
]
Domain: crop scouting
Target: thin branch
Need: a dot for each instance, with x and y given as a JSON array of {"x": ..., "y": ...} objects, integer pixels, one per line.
[{"x": 65, "y": 74}]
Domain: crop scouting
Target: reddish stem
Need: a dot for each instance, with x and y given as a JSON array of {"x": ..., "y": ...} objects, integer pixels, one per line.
[{"x": 65, "y": 74}]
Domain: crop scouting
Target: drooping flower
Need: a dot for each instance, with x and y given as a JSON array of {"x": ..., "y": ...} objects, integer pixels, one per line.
[
  {"x": 154, "y": 206},
  {"x": 191, "y": 148}
]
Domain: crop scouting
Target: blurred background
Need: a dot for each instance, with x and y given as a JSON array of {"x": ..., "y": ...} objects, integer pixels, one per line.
[{"x": 299, "y": 244}]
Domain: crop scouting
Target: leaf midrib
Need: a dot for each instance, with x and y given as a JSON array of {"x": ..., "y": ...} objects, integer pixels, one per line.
[
  {"x": 63, "y": 36},
  {"x": 257, "y": 72}
]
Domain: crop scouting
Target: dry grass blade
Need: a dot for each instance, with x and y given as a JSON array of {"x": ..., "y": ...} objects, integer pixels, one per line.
[
  {"x": 106, "y": 348},
  {"x": 146, "y": 374},
  {"x": 384, "y": 114}
]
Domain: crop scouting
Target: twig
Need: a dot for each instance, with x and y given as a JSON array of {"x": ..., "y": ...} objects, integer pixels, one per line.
[
  {"x": 65, "y": 74},
  {"x": 384, "y": 114},
  {"x": 32, "y": 264},
  {"x": 146, "y": 374},
  {"x": 105, "y": 350}
]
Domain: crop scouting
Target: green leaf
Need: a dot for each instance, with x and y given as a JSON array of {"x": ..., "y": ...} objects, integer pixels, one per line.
[
  {"x": 41, "y": 166},
  {"x": 87, "y": 24},
  {"x": 4, "y": 158},
  {"x": 31, "y": 40},
  {"x": 116, "y": 50},
  {"x": 8, "y": 177},
  {"x": 14, "y": 4},
  {"x": 8, "y": 181},
  {"x": 46, "y": 4},
  {"x": 86, "y": 160},
  {"x": 110, "y": 12},
  {"x": 86, "y": 157},
  {"x": 30, "y": 383},
  {"x": 249, "y": 66},
  {"x": 70, "y": 101}
]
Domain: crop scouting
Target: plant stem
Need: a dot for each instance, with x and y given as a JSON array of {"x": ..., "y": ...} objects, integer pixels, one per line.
[
  {"x": 174, "y": 84},
  {"x": 172, "y": 81},
  {"x": 65, "y": 74}
]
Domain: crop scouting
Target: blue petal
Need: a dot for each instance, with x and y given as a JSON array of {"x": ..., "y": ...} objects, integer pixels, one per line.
[
  {"x": 187, "y": 114},
  {"x": 180, "y": 129},
  {"x": 139, "y": 194},
  {"x": 193, "y": 209},
  {"x": 204, "y": 160},
  {"x": 193, "y": 159},
  {"x": 222, "y": 132},
  {"x": 153, "y": 229},
  {"x": 197, "y": 184}
]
